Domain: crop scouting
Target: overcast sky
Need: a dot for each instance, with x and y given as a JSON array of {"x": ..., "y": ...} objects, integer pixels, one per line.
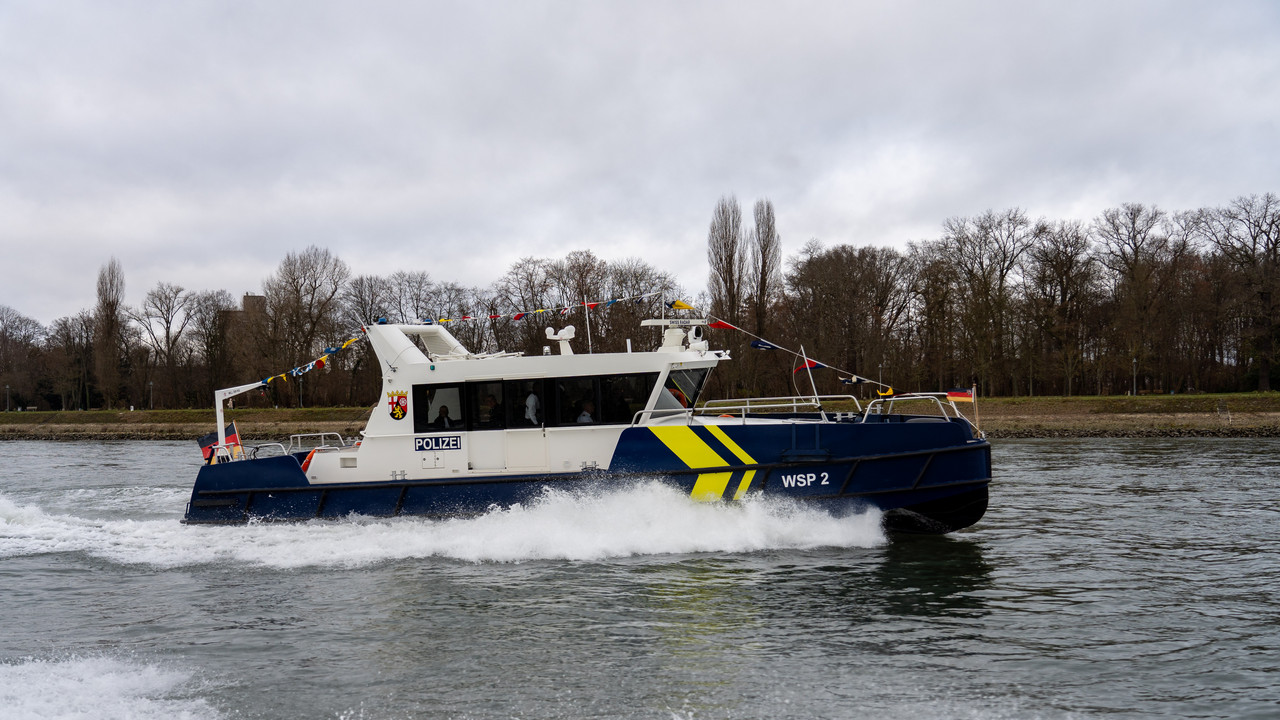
[{"x": 199, "y": 142}]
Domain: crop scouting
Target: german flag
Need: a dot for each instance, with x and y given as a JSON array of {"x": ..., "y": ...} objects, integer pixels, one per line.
[{"x": 208, "y": 441}]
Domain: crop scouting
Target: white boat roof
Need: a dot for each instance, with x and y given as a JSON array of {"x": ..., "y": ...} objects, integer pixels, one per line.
[{"x": 397, "y": 354}]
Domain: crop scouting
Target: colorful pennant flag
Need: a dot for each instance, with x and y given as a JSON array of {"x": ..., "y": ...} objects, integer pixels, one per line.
[
  {"x": 721, "y": 325},
  {"x": 960, "y": 395},
  {"x": 679, "y": 305},
  {"x": 763, "y": 345},
  {"x": 808, "y": 364}
]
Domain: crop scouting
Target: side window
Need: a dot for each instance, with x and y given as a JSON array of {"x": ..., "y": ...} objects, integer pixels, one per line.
[
  {"x": 682, "y": 389},
  {"x": 485, "y": 406},
  {"x": 577, "y": 401},
  {"x": 622, "y": 396},
  {"x": 437, "y": 408},
  {"x": 526, "y": 403}
]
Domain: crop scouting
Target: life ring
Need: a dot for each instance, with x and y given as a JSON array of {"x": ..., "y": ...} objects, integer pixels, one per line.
[{"x": 307, "y": 463}]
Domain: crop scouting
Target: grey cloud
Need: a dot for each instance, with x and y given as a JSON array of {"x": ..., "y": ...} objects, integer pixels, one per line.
[{"x": 200, "y": 142}]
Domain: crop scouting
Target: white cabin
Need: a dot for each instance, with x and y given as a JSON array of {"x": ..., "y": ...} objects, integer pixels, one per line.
[{"x": 446, "y": 412}]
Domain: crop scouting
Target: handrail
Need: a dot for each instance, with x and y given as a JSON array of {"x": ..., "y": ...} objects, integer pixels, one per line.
[
  {"x": 742, "y": 406},
  {"x": 253, "y": 450},
  {"x": 795, "y": 403},
  {"x": 884, "y": 406},
  {"x": 297, "y": 440},
  {"x": 642, "y": 415}
]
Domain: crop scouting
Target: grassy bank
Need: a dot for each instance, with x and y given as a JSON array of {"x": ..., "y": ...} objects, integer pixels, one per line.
[{"x": 1227, "y": 415}]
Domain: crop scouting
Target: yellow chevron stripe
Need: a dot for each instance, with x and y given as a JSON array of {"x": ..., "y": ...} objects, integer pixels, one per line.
[
  {"x": 729, "y": 443},
  {"x": 744, "y": 485},
  {"x": 694, "y": 452},
  {"x": 710, "y": 486},
  {"x": 742, "y": 455}
]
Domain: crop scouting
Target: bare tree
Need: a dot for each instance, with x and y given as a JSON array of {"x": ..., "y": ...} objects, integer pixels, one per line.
[
  {"x": 455, "y": 303},
  {"x": 303, "y": 302},
  {"x": 526, "y": 287},
  {"x": 163, "y": 319},
  {"x": 367, "y": 298},
  {"x": 411, "y": 294},
  {"x": 1247, "y": 233},
  {"x": 986, "y": 251},
  {"x": 210, "y": 323},
  {"x": 933, "y": 309},
  {"x": 110, "y": 351},
  {"x": 631, "y": 278},
  {"x": 726, "y": 253},
  {"x": 579, "y": 278},
  {"x": 1143, "y": 249},
  {"x": 1061, "y": 285},
  {"x": 851, "y": 303},
  {"x": 766, "y": 266},
  {"x": 71, "y": 341},
  {"x": 20, "y": 338}
]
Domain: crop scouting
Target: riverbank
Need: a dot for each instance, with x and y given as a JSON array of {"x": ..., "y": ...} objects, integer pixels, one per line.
[
  {"x": 254, "y": 424},
  {"x": 1227, "y": 415}
]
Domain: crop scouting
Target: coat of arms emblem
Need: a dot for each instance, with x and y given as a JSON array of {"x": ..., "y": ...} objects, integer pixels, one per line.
[{"x": 399, "y": 404}]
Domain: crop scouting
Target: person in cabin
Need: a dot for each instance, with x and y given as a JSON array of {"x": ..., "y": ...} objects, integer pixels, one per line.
[
  {"x": 531, "y": 407},
  {"x": 443, "y": 421},
  {"x": 494, "y": 411},
  {"x": 588, "y": 412}
]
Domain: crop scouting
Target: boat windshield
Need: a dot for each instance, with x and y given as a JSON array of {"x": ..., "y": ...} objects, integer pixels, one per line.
[{"x": 681, "y": 389}]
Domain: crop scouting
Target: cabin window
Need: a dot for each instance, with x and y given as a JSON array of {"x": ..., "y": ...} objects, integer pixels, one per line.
[
  {"x": 526, "y": 403},
  {"x": 515, "y": 404},
  {"x": 437, "y": 408},
  {"x": 622, "y": 396},
  {"x": 681, "y": 389},
  {"x": 485, "y": 405},
  {"x": 576, "y": 401}
]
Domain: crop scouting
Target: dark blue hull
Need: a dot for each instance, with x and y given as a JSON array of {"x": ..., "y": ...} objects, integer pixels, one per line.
[{"x": 931, "y": 477}]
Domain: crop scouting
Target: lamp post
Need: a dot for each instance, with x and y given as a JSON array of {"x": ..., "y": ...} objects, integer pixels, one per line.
[
  {"x": 151, "y": 385},
  {"x": 1135, "y": 377},
  {"x": 6, "y": 398}
]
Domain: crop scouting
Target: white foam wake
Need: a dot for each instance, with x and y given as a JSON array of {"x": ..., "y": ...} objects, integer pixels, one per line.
[
  {"x": 96, "y": 689},
  {"x": 646, "y": 519}
]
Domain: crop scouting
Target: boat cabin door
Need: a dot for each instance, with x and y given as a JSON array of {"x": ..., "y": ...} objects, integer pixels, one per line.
[
  {"x": 526, "y": 440},
  {"x": 503, "y": 436}
]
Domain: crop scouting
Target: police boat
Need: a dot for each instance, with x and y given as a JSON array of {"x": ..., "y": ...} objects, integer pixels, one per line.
[{"x": 456, "y": 433}]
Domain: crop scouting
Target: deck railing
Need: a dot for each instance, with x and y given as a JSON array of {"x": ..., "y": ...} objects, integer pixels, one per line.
[{"x": 884, "y": 406}]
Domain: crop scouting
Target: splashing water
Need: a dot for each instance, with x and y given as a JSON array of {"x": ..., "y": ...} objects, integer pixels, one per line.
[
  {"x": 97, "y": 688},
  {"x": 644, "y": 519}
]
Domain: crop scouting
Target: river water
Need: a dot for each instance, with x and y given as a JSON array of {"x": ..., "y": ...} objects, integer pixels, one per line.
[{"x": 1110, "y": 578}]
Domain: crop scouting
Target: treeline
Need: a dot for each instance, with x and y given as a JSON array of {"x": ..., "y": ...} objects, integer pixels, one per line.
[
  {"x": 178, "y": 346},
  {"x": 1136, "y": 297}
]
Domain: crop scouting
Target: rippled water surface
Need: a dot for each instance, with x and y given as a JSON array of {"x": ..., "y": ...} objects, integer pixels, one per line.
[{"x": 1115, "y": 578}]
